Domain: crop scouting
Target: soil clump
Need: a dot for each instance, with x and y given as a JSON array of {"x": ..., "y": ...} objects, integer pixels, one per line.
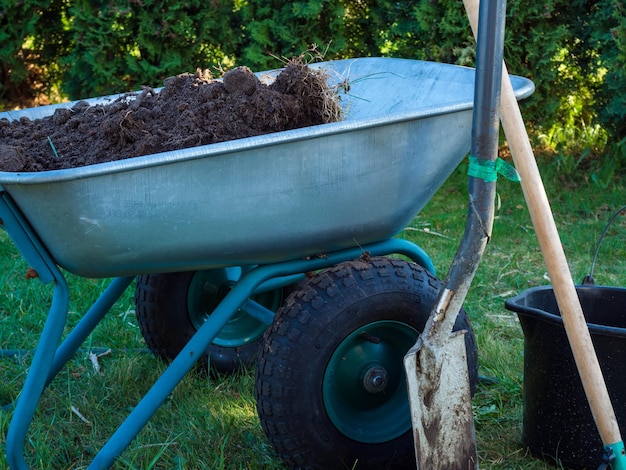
[{"x": 190, "y": 110}]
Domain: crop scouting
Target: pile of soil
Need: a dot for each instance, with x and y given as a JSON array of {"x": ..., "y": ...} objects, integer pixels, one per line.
[{"x": 190, "y": 110}]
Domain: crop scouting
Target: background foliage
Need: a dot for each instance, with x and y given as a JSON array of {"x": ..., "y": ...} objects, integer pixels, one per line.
[
  {"x": 30, "y": 46},
  {"x": 117, "y": 46},
  {"x": 573, "y": 50}
]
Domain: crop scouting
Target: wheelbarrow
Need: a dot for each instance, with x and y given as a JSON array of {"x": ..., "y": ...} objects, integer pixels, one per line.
[{"x": 312, "y": 212}]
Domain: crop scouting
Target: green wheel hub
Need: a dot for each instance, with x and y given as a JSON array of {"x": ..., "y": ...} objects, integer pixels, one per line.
[
  {"x": 206, "y": 291},
  {"x": 364, "y": 388}
]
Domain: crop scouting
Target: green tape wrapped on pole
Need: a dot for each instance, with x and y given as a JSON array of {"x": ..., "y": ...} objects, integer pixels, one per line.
[{"x": 488, "y": 170}]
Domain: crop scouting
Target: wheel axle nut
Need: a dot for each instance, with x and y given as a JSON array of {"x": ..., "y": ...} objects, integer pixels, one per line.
[{"x": 375, "y": 379}]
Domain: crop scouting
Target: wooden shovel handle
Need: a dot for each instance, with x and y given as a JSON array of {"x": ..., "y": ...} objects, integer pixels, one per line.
[{"x": 550, "y": 243}]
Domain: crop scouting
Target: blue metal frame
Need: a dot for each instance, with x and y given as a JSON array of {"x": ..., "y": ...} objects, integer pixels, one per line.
[{"x": 50, "y": 359}]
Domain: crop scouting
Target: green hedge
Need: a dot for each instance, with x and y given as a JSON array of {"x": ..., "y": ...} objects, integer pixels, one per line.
[
  {"x": 574, "y": 50},
  {"x": 119, "y": 45},
  {"x": 30, "y": 46},
  {"x": 607, "y": 34}
]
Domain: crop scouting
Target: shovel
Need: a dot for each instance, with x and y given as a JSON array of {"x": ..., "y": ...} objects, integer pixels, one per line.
[
  {"x": 436, "y": 367},
  {"x": 558, "y": 269}
]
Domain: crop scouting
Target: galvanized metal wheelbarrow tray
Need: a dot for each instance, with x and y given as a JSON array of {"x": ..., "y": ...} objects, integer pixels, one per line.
[{"x": 290, "y": 202}]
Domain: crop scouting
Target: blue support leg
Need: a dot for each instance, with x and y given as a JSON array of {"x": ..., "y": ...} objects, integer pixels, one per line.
[{"x": 37, "y": 376}]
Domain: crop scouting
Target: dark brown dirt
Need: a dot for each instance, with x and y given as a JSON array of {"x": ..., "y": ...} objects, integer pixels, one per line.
[{"x": 190, "y": 110}]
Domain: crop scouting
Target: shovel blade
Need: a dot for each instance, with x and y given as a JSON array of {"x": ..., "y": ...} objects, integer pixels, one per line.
[{"x": 441, "y": 408}]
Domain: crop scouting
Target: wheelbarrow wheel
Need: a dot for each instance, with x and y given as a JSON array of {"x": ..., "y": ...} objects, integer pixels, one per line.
[
  {"x": 171, "y": 307},
  {"x": 330, "y": 384}
]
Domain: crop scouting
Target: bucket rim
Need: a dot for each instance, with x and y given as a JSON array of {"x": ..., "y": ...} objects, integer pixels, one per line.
[{"x": 515, "y": 304}]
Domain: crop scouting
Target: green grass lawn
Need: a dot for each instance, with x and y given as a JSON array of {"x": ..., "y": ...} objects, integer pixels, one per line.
[{"x": 212, "y": 423}]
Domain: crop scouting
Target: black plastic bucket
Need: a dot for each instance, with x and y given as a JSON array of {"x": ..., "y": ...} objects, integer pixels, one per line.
[{"x": 557, "y": 421}]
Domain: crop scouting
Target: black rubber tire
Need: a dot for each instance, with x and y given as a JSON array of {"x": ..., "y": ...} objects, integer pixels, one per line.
[
  {"x": 162, "y": 305},
  {"x": 307, "y": 331}
]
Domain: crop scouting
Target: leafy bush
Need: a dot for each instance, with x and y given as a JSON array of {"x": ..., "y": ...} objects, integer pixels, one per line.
[
  {"x": 30, "y": 45},
  {"x": 119, "y": 45},
  {"x": 277, "y": 29},
  {"x": 607, "y": 34},
  {"x": 574, "y": 51},
  {"x": 563, "y": 46}
]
